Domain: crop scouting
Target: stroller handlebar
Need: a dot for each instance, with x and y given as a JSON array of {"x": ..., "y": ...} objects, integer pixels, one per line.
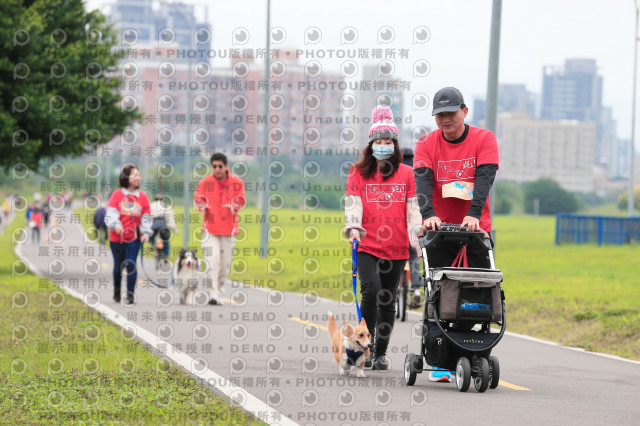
[
  {"x": 453, "y": 233},
  {"x": 454, "y": 227}
]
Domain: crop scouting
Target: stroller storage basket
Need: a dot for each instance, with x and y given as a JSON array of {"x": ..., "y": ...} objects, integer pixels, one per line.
[
  {"x": 462, "y": 304},
  {"x": 467, "y": 294}
]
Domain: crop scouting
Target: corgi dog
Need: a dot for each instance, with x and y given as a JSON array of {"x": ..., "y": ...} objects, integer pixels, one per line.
[{"x": 351, "y": 345}]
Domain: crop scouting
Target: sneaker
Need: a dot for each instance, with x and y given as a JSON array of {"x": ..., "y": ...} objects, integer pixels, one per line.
[
  {"x": 369, "y": 362},
  {"x": 440, "y": 375},
  {"x": 380, "y": 363},
  {"x": 116, "y": 298}
]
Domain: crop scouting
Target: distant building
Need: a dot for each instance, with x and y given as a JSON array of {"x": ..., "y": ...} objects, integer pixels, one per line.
[
  {"x": 619, "y": 167},
  {"x": 574, "y": 92},
  {"x": 148, "y": 24},
  {"x": 374, "y": 90},
  {"x": 305, "y": 109},
  {"x": 533, "y": 149},
  {"x": 155, "y": 72},
  {"x": 511, "y": 98}
]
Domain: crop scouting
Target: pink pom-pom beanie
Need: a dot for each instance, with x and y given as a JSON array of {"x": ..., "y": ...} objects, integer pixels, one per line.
[{"x": 383, "y": 125}]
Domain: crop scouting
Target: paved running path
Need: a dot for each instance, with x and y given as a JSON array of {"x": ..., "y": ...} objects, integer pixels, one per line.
[{"x": 274, "y": 347}]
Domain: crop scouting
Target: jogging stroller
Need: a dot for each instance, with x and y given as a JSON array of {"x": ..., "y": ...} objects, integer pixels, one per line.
[{"x": 462, "y": 303}]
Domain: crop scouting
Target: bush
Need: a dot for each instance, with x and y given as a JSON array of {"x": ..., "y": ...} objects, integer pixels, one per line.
[
  {"x": 503, "y": 206},
  {"x": 507, "y": 195},
  {"x": 623, "y": 199},
  {"x": 553, "y": 199}
]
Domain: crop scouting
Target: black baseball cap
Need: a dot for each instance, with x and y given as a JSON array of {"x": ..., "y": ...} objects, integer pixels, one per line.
[{"x": 447, "y": 99}]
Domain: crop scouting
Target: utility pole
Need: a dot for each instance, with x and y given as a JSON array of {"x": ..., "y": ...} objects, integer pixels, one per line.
[
  {"x": 264, "y": 230},
  {"x": 492, "y": 84},
  {"x": 632, "y": 151}
]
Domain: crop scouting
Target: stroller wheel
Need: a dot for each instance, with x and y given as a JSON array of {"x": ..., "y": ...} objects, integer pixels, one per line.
[
  {"x": 463, "y": 374},
  {"x": 410, "y": 365},
  {"x": 481, "y": 381},
  {"x": 494, "y": 368}
]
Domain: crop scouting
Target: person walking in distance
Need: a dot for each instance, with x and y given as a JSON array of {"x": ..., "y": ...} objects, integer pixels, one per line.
[
  {"x": 45, "y": 213},
  {"x": 218, "y": 198},
  {"x": 129, "y": 221},
  {"x": 380, "y": 209},
  {"x": 35, "y": 221}
]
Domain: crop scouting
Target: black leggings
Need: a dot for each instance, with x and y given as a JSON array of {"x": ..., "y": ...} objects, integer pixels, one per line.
[{"x": 379, "y": 280}]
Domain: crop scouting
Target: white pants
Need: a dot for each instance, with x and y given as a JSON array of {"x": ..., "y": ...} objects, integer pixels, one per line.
[{"x": 217, "y": 251}]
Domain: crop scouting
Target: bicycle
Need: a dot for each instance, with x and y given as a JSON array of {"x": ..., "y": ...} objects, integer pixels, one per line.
[
  {"x": 402, "y": 294},
  {"x": 160, "y": 256},
  {"x": 405, "y": 296}
]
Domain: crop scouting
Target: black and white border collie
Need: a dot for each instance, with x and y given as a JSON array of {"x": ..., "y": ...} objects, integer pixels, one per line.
[{"x": 188, "y": 278}]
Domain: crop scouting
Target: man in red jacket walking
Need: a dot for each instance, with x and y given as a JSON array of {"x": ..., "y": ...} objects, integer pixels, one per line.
[{"x": 219, "y": 197}]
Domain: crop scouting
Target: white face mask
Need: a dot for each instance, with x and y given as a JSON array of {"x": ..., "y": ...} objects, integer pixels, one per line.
[{"x": 382, "y": 152}]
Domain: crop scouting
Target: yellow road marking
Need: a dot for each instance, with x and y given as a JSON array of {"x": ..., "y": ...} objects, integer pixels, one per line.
[
  {"x": 321, "y": 327},
  {"x": 313, "y": 324},
  {"x": 512, "y": 386}
]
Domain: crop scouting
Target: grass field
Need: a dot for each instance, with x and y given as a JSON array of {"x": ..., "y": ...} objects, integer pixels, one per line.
[
  {"x": 68, "y": 365},
  {"x": 579, "y": 295}
]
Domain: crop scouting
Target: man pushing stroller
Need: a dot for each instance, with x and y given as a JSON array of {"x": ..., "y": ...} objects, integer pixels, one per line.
[{"x": 454, "y": 169}]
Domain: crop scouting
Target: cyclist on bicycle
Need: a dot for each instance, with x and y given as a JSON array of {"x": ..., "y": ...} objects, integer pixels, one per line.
[{"x": 164, "y": 221}]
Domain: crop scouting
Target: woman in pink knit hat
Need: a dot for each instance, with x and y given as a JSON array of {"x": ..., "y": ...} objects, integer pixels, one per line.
[{"x": 381, "y": 212}]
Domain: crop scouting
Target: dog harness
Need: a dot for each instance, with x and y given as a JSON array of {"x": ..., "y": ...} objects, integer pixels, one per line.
[{"x": 352, "y": 356}]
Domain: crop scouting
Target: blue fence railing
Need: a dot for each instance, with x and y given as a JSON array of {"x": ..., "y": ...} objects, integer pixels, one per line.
[{"x": 580, "y": 229}]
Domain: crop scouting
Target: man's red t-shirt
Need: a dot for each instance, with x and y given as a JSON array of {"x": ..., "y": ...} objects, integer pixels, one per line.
[
  {"x": 384, "y": 214},
  {"x": 454, "y": 167}
]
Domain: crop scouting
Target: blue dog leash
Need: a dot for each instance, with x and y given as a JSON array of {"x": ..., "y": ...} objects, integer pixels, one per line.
[{"x": 354, "y": 259}]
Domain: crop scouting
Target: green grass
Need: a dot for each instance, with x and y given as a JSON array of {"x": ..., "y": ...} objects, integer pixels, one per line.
[
  {"x": 74, "y": 366},
  {"x": 578, "y": 295},
  {"x": 609, "y": 209}
]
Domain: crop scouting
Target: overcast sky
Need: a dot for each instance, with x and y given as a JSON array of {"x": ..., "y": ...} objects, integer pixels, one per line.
[{"x": 534, "y": 34}]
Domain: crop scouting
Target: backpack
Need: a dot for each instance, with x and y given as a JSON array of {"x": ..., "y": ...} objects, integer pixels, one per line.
[
  {"x": 98, "y": 218},
  {"x": 158, "y": 223}
]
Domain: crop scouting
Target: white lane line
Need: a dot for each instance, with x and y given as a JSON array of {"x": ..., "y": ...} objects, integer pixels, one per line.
[
  {"x": 237, "y": 394},
  {"x": 547, "y": 342},
  {"x": 550, "y": 343}
]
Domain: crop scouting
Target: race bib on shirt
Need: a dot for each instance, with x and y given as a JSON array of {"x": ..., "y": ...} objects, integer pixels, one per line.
[{"x": 462, "y": 190}]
